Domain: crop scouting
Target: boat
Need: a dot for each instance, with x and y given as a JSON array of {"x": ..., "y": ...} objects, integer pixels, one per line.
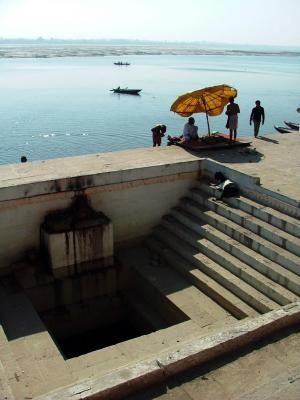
[
  {"x": 292, "y": 125},
  {"x": 126, "y": 90},
  {"x": 121, "y": 63},
  {"x": 282, "y": 129}
]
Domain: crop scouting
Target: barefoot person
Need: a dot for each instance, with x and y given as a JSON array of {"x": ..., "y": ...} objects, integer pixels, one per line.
[
  {"x": 257, "y": 116},
  {"x": 157, "y": 133},
  {"x": 232, "y": 112}
]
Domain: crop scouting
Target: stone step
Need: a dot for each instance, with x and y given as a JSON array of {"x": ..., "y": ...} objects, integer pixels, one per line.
[
  {"x": 276, "y": 218},
  {"x": 233, "y": 283},
  {"x": 146, "y": 315},
  {"x": 259, "y": 281},
  {"x": 272, "y": 270},
  {"x": 248, "y": 221},
  {"x": 249, "y": 239},
  {"x": 225, "y": 298},
  {"x": 40, "y": 367},
  {"x": 174, "y": 288}
]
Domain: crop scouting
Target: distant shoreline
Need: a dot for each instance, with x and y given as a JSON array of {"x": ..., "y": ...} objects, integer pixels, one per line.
[{"x": 51, "y": 51}]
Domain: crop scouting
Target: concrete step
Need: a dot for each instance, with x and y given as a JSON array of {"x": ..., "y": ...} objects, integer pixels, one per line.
[
  {"x": 173, "y": 288},
  {"x": 144, "y": 314},
  {"x": 276, "y": 218},
  {"x": 249, "y": 239},
  {"x": 233, "y": 283},
  {"x": 272, "y": 270},
  {"x": 224, "y": 297},
  {"x": 248, "y": 221},
  {"x": 259, "y": 281}
]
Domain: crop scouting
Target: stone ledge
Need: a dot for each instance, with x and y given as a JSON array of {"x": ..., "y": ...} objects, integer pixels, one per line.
[
  {"x": 130, "y": 379},
  {"x": 81, "y": 172}
]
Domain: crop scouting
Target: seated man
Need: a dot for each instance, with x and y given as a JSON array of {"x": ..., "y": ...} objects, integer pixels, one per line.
[{"x": 190, "y": 130}]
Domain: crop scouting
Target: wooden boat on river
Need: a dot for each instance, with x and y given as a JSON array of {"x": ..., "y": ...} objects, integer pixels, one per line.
[
  {"x": 126, "y": 90},
  {"x": 292, "y": 125},
  {"x": 283, "y": 129},
  {"x": 121, "y": 63}
]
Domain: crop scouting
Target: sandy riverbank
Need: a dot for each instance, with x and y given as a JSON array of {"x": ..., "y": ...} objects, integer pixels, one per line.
[{"x": 49, "y": 51}]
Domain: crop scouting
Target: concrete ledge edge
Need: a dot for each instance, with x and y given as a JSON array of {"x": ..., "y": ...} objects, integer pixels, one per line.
[
  {"x": 129, "y": 379},
  {"x": 82, "y": 182}
]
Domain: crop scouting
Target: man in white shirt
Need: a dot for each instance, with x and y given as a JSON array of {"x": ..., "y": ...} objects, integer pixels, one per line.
[{"x": 190, "y": 130}]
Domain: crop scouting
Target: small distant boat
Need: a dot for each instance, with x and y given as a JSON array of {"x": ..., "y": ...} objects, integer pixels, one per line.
[
  {"x": 282, "y": 129},
  {"x": 292, "y": 125},
  {"x": 121, "y": 63},
  {"x": 126, "y": 90}
]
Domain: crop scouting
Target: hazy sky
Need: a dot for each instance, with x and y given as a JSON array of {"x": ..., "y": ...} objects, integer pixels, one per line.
[{"x": 275, "y": 22}]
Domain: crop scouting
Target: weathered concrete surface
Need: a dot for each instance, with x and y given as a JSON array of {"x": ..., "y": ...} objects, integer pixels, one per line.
[
  {"x": 77, "y": 173},
  {"x": 268, "y": 370},
  {"x": 189, "y": 354},
  {"x": 50, "y": 177},
  {"x": 134, "y": 198},
  {"x": 276, "y": 162}
]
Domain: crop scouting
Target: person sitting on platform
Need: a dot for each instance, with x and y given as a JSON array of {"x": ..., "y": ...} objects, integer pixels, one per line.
[
  {"x": 190, "y": 130},
  {"x": 190, "y": 133}
]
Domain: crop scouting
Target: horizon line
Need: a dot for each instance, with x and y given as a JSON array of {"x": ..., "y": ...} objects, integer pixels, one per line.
[{"x": 145, "y": 41}]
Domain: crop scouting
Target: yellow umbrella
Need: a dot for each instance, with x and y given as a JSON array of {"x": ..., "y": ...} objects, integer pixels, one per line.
[{"x": 210, "y": 100}]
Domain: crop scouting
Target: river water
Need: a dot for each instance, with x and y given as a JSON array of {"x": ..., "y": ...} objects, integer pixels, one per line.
[{"x": 60, "y": 107}]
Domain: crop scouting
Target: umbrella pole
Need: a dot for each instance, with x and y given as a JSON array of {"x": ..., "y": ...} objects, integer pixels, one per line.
[
  {"x": 204, "y": 102},
  {"x": 207, "y": 123}
]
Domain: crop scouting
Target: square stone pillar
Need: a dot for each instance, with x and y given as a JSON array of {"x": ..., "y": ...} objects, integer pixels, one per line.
[{"x": 77, "y": 239}]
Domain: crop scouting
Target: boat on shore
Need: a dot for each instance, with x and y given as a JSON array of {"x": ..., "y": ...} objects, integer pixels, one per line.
[
  {"x": 282, "y": 129},
  {"x": 121, "y": 63},
  {"x": 126, "y": 90},
  {"x": 292, "y": 125}
]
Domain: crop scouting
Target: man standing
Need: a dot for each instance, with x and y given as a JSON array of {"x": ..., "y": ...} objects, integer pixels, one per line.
[
  {"x": 232, "y": 112},
  {"x": 257, "y": 116}
]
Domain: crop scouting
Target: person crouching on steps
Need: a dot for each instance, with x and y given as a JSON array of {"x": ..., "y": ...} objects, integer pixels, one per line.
[
  {"x": 224, "y": 187},
  {"x": 157, "y": 133}
]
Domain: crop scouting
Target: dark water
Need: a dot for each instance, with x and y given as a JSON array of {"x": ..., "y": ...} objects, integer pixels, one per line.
[
  {"x": 61, "y": 107},
  {"x": 96, "y": 339}
]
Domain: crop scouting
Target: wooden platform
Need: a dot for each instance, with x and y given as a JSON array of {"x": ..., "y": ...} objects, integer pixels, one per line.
[{"x": 214, "y": 141}]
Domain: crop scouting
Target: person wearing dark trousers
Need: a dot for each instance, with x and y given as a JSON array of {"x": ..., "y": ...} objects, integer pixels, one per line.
[{"x": 257, "y": 117}]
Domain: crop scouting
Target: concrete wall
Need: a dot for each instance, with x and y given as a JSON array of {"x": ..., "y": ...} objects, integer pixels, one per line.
[
  {"x": 133, "y": 188},
  {"x": 135, "y": 200}
]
